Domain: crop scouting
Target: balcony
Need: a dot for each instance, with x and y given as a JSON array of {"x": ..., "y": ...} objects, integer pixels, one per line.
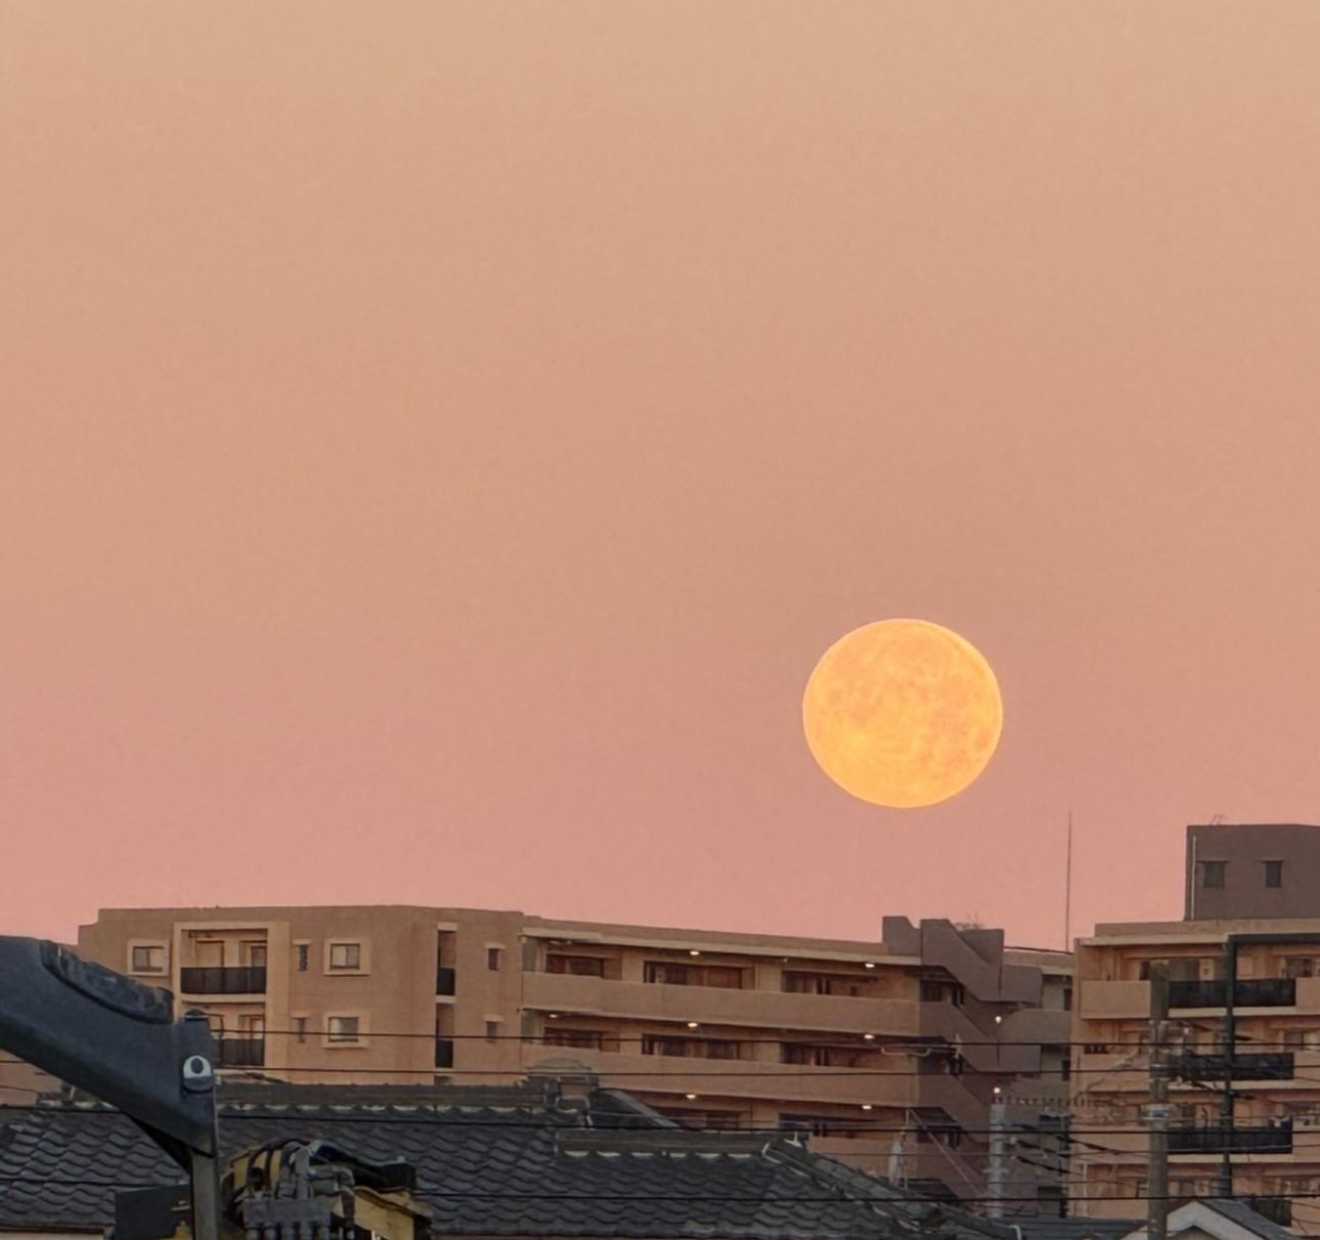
[
  {"x": 560, "y": 992},
  {"x": 1216, "y": 1140},
  {"x": 444, "y": 981},
  {"x": 1191, "y": 1067},
  {"x": 213, "y": 981},
  {"x": 737, "y": 1078},
  {"x": 1248, "y": 993},
  {"x": 242, "y": 1052}
]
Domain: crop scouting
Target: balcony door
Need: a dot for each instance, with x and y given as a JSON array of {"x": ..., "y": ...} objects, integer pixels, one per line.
[{"x": 210, "y": 953}]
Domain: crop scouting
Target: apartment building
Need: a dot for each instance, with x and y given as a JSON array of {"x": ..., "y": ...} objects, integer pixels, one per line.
[
  {"x": 1271, "y": 1141},
  {"x": 891, "y": 1053},
  {"x": 1252, "y": 899}
]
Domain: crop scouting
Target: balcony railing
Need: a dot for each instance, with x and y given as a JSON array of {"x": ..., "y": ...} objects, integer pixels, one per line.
[
  {"x": 249, "y": 980},
  {"x": 1249, "y": 992},
  {"x": 242, "y": 1052},
  {"x": 1217, "y": 1140},
  {"x": 444, "y": 981},
  {"x": 1192, "y": 1067}
]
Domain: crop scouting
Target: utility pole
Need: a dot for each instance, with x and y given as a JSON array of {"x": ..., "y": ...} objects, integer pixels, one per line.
[
  {"x": 996, "y": 1176},
  {"x": 1157, "y": 1113}
]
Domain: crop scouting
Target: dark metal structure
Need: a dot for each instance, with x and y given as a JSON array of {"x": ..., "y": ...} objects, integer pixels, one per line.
[{"x": 119, "y": 1041}]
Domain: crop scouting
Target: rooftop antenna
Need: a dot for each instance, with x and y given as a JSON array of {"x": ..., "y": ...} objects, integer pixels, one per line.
[{"x": 1067, "y": 891}]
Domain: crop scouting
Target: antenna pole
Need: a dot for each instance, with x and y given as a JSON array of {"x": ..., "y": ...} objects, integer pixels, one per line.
[{"x": 1067, "y": 892}]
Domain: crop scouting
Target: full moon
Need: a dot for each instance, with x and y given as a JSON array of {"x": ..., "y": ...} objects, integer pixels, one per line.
[{"x": 903, "y": 713}]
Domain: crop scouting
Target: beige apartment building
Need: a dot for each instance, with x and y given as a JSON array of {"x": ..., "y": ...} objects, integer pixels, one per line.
[
  {"x": 1258, "y": 885},
  {"x": 892, "y": 1054}
]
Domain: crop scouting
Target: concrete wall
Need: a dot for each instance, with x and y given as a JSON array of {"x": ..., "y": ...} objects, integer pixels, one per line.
[{"x": 1245, "y": 849}]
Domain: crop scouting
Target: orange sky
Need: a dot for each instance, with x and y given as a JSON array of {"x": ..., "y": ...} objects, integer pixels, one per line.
[{"x": 438, "y": 439}]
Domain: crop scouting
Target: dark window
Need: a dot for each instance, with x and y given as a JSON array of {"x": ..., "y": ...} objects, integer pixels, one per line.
[
  {"x": 302, "y": 957},
  {"x": 1298, "y": 966},
  {"x": 493, "y": 955},
  {"x": 935, "y": 991},
  {"x": 492, "y": 1030},
  {"x": 1274, "y": 873},
  {"x": 300, "y": 1028},
  {"x": 725, "y": 977},
  {"x": 577, "y": 966},
  {"x": 1065, "y": 1069},
  {"x": 689, "y": 1048},
  {"x": 1067, "y": 998},
  {"x": 1212, "y": 873},
  {"x": 580, "y": 1039}
]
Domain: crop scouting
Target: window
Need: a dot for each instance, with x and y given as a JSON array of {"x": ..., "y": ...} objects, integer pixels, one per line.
[
  {"x": 254, "y": 955},
  {"x": 936, "y": 991},
  {"x": 1067, "y": 998},
  {"x": 492, "y": 1030},
  {"x": 346, "y": 956},
  {"x": 690, "y": 1048},
  {"x": 1298, "y": 966},
  {"x": 579, "y": 1039},
  {"x": 827, "y": 984},
  {"x": 148, "y": 959},
  {"x": 300, "y": 1028},
  {"x": 1274, "y": 873},
  {"x": 344, "y": 1030},
  {"x": 493, "y": 955},
  {"x": 725, "y": 977},
  {"x": 304, "y": 951},
  {"x": 1212, "y": 873},
  {"x": 577, "y": 966}
]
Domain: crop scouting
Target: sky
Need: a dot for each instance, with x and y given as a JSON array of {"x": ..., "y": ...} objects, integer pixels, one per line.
[{"x": 438, "y": 440}]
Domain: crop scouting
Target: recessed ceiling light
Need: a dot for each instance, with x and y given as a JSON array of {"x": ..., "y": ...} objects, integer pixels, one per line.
[
  {"x": 694, "y": 1024},
  {"x": 868, "y": 1037},
  {"x": 866, "y": 1106},
  {"x": 694, "y": 952},
  {"x": 690, "y": 1097},
  {"x": 870, "y": 964}
]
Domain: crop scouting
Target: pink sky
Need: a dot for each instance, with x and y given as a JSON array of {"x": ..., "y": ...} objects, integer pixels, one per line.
[{"x": 438, "y": 439}]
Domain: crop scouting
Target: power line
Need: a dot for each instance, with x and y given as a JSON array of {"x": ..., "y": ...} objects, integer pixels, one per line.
[{"x": 761, "y": 1198}]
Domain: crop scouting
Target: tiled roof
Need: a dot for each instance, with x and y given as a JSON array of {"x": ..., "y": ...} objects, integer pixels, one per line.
[{"x": 530, "y": 1168}]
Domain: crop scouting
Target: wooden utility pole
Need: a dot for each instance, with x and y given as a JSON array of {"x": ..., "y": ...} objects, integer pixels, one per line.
[{"x": 1157, "y": 1113}]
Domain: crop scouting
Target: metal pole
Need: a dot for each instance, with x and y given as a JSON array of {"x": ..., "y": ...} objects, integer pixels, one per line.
[
  {"x": 997, "y": 1167},
  {"x": 1067, "y": 892},
  {"x": 1157, "y": 1113},
  {"x": 1230, "y": 1045},
  {"x": 205, "y": 1196}
]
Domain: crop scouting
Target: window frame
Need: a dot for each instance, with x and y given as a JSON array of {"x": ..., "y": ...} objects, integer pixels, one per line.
[
  {"x": 1219, "y": 870},
  {"x": 148, "y": 945},
  {"x": 1273, "y": 870},
  {"x": 360, "y": 1039},
  {"x": 363, "y": 966}
]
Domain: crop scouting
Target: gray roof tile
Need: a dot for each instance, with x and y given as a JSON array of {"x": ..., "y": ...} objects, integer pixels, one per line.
[{"x": 530, "y": 1169}]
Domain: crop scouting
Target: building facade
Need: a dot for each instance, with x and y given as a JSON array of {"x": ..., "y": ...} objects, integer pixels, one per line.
[
  {"x": 1238, "y": 872},
  {"x": 1264, "y": 1135},
  {"x": 896, "y": 1055}
]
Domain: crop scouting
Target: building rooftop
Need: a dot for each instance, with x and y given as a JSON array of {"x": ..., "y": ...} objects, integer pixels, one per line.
[{"x": 517, "y": 1161}]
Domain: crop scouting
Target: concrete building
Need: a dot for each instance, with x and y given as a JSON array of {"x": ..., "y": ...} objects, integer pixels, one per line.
[
  {"x": 1239, "y": 872},
  {"x": 891, "y": 1053},
  {"x": 1272, "y": 1143}
]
